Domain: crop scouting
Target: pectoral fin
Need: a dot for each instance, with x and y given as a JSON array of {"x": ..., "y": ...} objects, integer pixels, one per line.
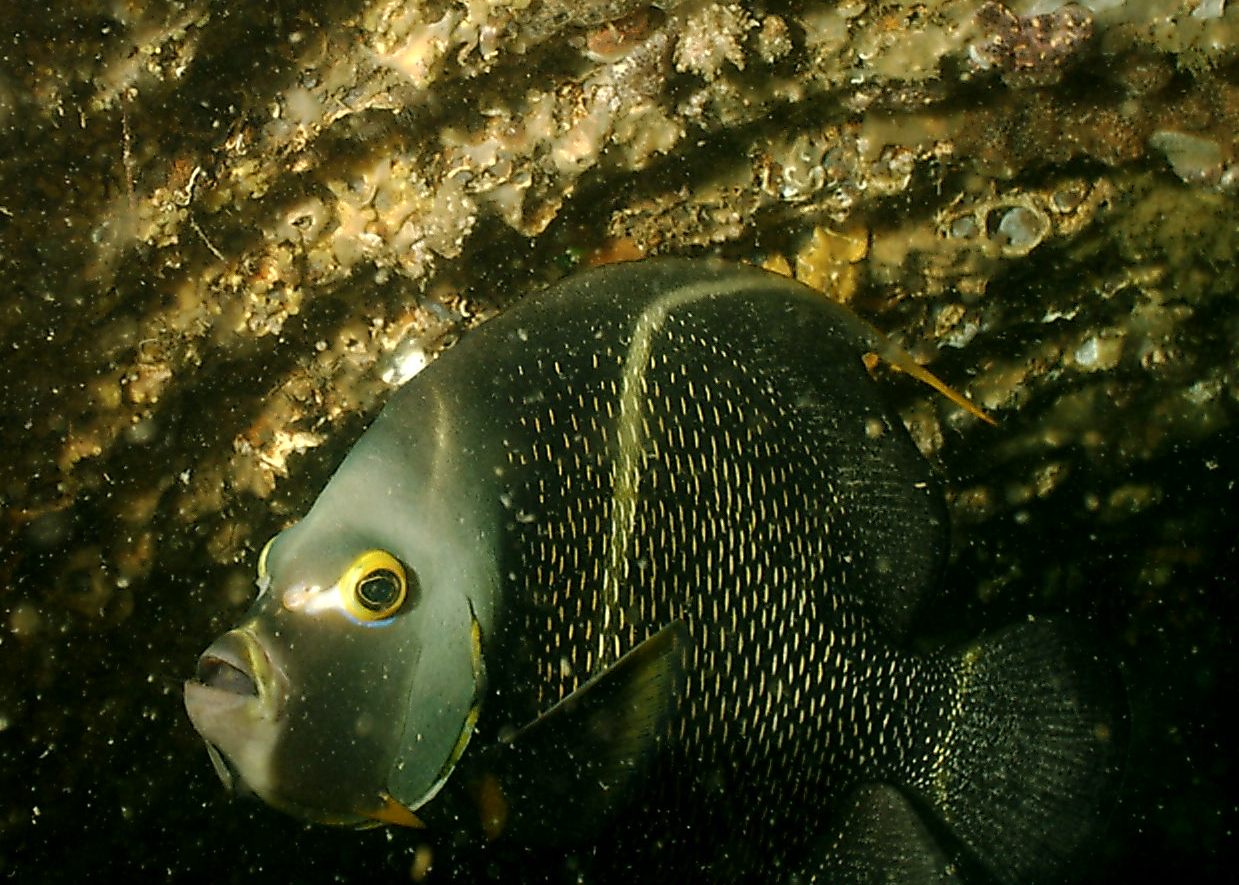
[{"x": 560, "y": 775}]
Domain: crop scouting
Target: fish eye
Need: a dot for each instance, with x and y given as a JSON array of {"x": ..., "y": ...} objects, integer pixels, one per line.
[
  {"x": 379, "y": 591},
  {"x": 374, "y": 586}
]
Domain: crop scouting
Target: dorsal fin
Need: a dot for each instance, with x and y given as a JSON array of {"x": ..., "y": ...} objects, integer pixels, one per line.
[
  {"x": 898, "y": 358},
  {"x": 885, "y": 349}
]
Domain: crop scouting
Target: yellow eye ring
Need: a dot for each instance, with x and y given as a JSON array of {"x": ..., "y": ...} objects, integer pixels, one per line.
[
  {"x": 374, "y": 586},
  {"x": 262, "y": 557}
]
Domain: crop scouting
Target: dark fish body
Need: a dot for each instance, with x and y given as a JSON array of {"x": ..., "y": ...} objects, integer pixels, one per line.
[{"x": 660, "y": 545}]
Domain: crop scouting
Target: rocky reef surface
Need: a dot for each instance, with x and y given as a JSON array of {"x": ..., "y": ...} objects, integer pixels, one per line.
[{"x": 227, "y": 231}]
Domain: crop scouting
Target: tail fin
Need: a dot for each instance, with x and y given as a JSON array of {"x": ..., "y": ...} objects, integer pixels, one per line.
[{"x": 1025, "y": 767}]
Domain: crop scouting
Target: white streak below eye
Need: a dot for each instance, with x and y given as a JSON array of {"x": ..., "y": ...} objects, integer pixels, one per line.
[
  {"x": 264, "y": 584},
  {"x": 311, "y": 600}
]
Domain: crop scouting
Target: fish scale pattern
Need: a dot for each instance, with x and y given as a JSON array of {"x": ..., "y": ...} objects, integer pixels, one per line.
[{"x": 690, "y": 487}]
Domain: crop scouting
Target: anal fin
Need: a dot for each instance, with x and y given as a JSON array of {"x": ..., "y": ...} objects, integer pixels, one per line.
[{"x": 879, "y": 838}]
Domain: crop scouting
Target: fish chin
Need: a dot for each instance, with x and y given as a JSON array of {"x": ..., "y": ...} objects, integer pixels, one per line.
[
  {"x": 226, "y": 775},
  {"x": 240, "y": 735},
  {"x": 290, "y": 749}
]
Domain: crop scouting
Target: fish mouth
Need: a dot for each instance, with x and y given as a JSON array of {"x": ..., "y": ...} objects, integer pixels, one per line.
[
  {"x": 235, "y": 701},
  {"x": 222, "y": 669},
  {"x": 237, "y": 669}
]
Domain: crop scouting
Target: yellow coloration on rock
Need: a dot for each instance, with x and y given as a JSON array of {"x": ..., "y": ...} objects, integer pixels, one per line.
[{"x": 830, "y": 261}]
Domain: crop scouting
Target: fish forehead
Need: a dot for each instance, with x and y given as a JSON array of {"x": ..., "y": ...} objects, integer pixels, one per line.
[{"x": 711, "y": 450}]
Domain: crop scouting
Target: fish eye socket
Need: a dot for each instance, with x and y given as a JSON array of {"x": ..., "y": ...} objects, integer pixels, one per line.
[{"x": 374, "y": 587}]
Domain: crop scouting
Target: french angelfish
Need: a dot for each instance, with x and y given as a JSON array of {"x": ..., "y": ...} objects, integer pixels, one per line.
[{"x": 631, "y": 571}]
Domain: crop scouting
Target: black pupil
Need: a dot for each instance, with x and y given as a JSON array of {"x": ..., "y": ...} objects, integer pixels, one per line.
[{"x": 378, "y": 590}]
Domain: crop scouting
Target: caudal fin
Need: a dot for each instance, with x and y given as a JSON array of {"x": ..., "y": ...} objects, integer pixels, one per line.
[{"x": 1024, "y": 769}]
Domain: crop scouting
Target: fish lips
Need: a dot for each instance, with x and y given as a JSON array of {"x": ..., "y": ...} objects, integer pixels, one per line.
[{"x": 236, "y": 702}]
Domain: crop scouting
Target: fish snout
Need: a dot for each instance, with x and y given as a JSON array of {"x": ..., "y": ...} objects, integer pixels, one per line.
[{"x": 237, "y": 670}]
